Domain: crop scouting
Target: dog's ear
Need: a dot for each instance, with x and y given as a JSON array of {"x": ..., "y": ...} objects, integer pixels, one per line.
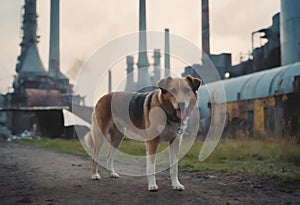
[
  {"x": 193, "y": 82},
  {"x": 163, "y": 83}
]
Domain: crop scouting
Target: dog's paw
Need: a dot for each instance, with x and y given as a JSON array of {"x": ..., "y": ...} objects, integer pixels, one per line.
[
  {"x": 96, "y": 176},
  {"x": 178, "y": 187},
  {"x": 114, "y": 175},
  {"x": 153, "y": 187}
]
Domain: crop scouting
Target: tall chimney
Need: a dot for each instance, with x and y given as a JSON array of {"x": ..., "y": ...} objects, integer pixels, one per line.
[
  {"x": 167, "y": 52},
  {"x": 109, "y": 81},
  {"x": 290, "y": 31},
  {"x": 143, "y": 76},
  {"x": 29, "y": 59},
  {"x": 130, "y": 86},
  {"x": 54, "y": 64},
  {"x": 205, "y": 26},
  {"x": 156, "y": 64}
]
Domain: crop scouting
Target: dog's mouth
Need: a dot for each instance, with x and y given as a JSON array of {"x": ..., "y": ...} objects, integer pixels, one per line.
[{"x": 181, "y": 112}]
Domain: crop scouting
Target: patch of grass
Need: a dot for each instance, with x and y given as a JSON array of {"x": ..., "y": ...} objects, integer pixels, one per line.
[
  {"x": 252, "y": 157},
  {"x": 67, "y": 146},
  {"x": 135, "y": 148}
]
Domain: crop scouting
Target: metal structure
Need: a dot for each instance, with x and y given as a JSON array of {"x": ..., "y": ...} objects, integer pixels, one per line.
[
  {"x": 143, "y": 64},
  {"x": 205, "y": 26},
  {"x": 221, "y": 61},
  {"x": 265, "y": 56},
  {"x": 33, "y": 85},
  {"x": 130, "y": 84},
  {"x": 266, "y": 102},
  {"x": 38, "y": 95},
  {"x": 29, "y": 68},
  {"x": 54, "y": 48},
  {"x": 156, "y": 65},
  {"x": 290, "y": 31},
  {"x": 263, "y": 103},
  {"x": 145, "y": 80},
  {"x": 167, "y": 52}
]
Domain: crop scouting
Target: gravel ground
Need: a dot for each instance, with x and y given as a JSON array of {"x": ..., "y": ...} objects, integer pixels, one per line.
[{"x": 31, "y": 175}]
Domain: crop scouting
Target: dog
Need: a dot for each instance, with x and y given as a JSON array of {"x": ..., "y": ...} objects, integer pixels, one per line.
[{"x": 175, "y": 98}]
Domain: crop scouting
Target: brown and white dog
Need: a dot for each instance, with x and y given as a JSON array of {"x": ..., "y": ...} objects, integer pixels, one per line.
[{"x": 176, "y": 97}]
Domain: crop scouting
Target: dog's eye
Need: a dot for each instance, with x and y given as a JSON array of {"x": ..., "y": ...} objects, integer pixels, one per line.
[
  {"x": 186, "y": 90},
  {"x": 173, "y": 91}
]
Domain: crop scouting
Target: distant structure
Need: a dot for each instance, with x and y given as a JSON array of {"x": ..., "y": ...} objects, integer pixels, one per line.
[
  {"x": 130, "y": 84},
  {"x": 145, "y": 80},
  {"x": 31, "y": 73},
  {"x": 39, "y": 97},
  {"x": 156, "y": 65},
  {"x": 54, "y": 51},
  {"x": 143, "y": 64},
  {"x": 222, "y": 62},
  {"x": 263, "y": 91},
  {"x": 33, "y": 86},
  {"x": 205, "y": 27},
  {"x": 290, "y": 31},
  {"x": 167, "y": 52},
  {"x": 263, "y": 57}
]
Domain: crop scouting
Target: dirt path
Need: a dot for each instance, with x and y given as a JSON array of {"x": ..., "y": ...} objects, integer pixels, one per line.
[{"x": 39, "y": 176}]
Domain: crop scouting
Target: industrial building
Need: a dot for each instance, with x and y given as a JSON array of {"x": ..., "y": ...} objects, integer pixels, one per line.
[
  {"x": 264, "y": 100},
  {"x": 39, "y": 96},
  {"x": 262, "y": 92}
]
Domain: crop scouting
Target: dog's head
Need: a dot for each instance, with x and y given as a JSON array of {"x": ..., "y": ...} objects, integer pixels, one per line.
[{"x": 179, "y": 95}]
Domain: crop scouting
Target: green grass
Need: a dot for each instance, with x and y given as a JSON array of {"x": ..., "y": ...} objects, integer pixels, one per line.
[
  {"x": 252, "y": 157},
  {"x": 67, "y": 146}
]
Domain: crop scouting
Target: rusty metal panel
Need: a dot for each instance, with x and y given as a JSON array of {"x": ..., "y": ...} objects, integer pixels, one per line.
[
  {"x": 259, "y": 117},
  {"x": 42, "y": 97},
  {"x": 270, "y": 82}
]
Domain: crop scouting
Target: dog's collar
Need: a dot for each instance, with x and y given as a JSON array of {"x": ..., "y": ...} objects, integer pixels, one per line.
[
  {"x": 172, "y": 119},
  {"x": 169, "y": 118}
]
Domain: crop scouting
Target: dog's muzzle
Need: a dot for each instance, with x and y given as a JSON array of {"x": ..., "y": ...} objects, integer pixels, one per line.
[{"x": 181, "y": 111}]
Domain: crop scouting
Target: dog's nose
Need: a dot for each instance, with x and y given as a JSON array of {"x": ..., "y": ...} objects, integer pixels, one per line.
[{"x": 181, "y": 105}]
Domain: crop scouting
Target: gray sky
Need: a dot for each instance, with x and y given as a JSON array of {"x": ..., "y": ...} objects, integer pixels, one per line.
[{"x": 86, "y": 25}]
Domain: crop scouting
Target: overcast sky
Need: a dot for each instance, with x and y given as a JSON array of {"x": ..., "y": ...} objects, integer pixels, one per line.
[{"x": 86, "y": 25}]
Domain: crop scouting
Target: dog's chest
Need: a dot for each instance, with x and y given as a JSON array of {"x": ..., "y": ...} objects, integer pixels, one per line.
[{"x": 172, "y": 130}]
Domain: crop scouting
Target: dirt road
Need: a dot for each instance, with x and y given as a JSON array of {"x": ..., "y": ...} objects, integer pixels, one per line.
[{"x": 40, "y": 176}]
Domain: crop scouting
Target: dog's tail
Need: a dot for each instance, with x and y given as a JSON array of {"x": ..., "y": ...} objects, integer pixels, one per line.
[{"x": 88, "y": 139}]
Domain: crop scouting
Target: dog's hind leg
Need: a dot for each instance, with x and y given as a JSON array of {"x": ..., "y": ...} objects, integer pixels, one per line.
[
  {"x": 116, "y": 138},
  {"x": 98, "y": 140},
  {"x": 95, "y": 173}
]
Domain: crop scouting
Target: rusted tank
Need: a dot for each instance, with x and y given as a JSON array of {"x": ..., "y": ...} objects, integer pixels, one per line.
[{"x": 265, "y": 103}]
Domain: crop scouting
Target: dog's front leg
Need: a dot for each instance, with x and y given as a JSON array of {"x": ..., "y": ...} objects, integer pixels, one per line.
[
  {"x": 174, "y": 154},
  {"x": 151, "y": 147}
]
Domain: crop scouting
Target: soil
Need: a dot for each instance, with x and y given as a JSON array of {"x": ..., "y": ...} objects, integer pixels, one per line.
[{"x": 40, "y": 176}]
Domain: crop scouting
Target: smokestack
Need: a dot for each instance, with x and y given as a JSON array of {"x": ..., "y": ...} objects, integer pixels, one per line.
[
  {"x": 54, "y": 61},
  {"x": 143, "y": 76},
  {"x": 129, "y": 83},
  {"x": 167, "y": 52},
  {"x": 156, "y": 64},
  {"x": 290, "y": 31},
  {"x": 29, "y": 59},
  {"x": 109, "y": 81},
  {"x": 205, "y": 26}
]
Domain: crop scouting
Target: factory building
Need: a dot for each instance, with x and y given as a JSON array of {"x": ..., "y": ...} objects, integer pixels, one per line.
[
  {"x": 262, "y": 91},
  {"x": 264, "y": 100},
  {"x": 39, "y": 96},
  {"x": 145, "y": 81}
]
